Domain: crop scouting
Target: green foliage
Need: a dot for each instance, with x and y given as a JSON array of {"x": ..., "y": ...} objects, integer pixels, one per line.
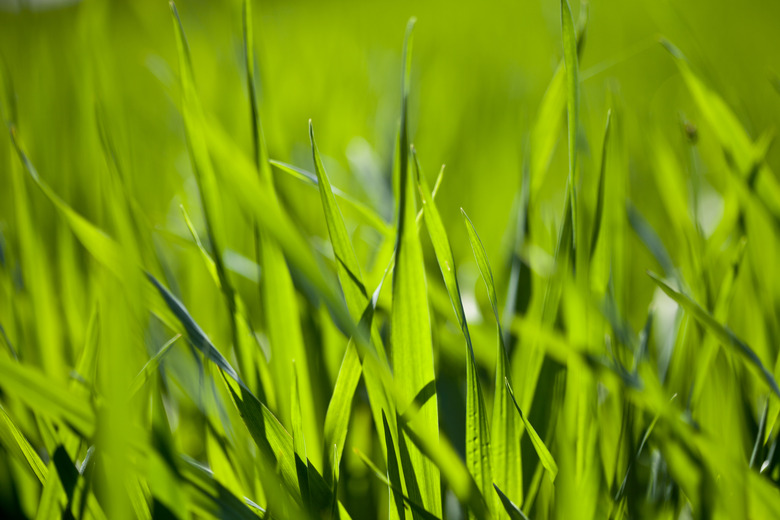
[{"x": 205, "y": 313}]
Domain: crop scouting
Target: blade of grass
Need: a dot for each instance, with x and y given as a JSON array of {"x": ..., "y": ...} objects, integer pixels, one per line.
[
  {"x": 477, "y": 431},
  {"x": 505, "y": 445},
  {"x": 573, "y": 104},
  {"x": 410, "y": 325},
  {"x": 545, "y": 457}
]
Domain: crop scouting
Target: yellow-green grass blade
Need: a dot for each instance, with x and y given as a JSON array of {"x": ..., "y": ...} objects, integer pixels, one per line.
[
  {"x": 410, "y": 321},
  {"x": 731, "y": 135},
  {"x": 47, "y": 397},
  {"x": 347, "y": 265},
  {"x": 545, "y": 457},
  {"x": 547, "y": 124},
  {"x": 721, "y": 332},
  {"x": 477, "y": 430},
  {"x": 599, "y": 214},
  {"x": 368, "y": 215},
  {"x": 505, "y": 435},
  {"x": 573, "y": 104},
  {"x": 151, "y": 366},
  {"x": 17, "y": 446}
]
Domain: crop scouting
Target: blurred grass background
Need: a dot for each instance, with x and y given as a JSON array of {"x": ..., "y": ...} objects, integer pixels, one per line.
[{"x": 479, "y": 74}]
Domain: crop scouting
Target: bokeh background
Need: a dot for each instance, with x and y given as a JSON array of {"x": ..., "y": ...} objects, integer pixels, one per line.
[{"x": 479, "y": 74}]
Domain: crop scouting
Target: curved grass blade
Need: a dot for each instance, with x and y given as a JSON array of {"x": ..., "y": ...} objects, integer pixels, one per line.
[
  {"x": 477, "y": 431},
  {"x": 545, "y": 457},
  {"x": 505, "y": 444},
  {"x": 366, "y": 213},
  {"x": 721, "y": 332}
]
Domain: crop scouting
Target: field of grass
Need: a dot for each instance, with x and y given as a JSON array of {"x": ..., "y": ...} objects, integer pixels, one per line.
[{"x": 237, "y": 281}]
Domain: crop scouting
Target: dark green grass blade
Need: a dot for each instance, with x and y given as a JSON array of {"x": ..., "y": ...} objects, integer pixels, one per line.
[
  {"x": 514, "y": 512},
  {"x": 721, "y": 332}
]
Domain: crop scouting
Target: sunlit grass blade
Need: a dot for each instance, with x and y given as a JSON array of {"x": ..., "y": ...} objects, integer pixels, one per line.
[
  {"x": 545, "y": 457},
  {"x": 477, "y": 430},
  {"x": 17, "y": 446},
  {"x": 410, "y": 322},
  {"x": 599, "y": 214},
  {"x": 573, "y": 104},
  {"x": 724, "y": 335},
  {"x": 368, "y": 215},
  {"x": 46, "y": 396},
  {"x": 547, "y": 124},
  {"x": 505, "y": 438}
]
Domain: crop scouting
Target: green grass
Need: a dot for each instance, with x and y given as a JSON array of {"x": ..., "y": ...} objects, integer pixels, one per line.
[{"x": 208, "y": 313}]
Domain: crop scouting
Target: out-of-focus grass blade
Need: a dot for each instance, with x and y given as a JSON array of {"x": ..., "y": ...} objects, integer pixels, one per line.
[
  {"x": 514, "y": 512},
  {"x": 547, "y": 124},
  {"x": 17, "y": 445},
  {"x": 723, "y": 334},
  {"x": 410, "y": 322},
  {"x": 46, "y": 396},
  {"x": 368, "y": 215},
  {"x": 731, "y": 135},
  {"x": 477, "y": 431},
  {"x": 545, "y": 457},
  {"x": 573, "y": 104},
  {"x": 505, "y": 442},
  {"x": 651, "y": 239},
  {"x": 100, "y": 245},
  {"x": 599, "y": 215},
  {"x": 151, "y": 366}
]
